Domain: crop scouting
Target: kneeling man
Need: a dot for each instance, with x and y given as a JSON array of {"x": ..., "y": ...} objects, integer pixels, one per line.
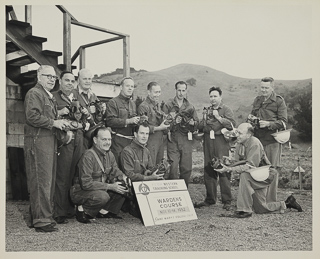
[
  {"x": 95, "y": 191},
  {"x": 252, "y": 193}
]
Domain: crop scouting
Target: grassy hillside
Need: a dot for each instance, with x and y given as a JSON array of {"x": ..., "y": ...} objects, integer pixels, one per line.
[{"x": 238, "y": 92}]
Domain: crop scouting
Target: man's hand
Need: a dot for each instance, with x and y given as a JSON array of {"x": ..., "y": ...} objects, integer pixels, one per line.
[
  {"x": 63, "y": 111},
  {"x": 61, "y": 124},
  {"x": 156, "y": 176},
  {"x": 84, "y": 111},
  {"x": 133, "y": 120},
  {"x": 192, "y": 122},
  {"x": 264, "y": 124},
  {"x": 162, "y": 126},
  {"x": 224, "y": 169},
  {"x": 117, "y": 187}
]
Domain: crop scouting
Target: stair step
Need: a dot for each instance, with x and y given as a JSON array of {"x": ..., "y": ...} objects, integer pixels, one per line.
[
  {"x": 29, "y": 74},
  {"x": 11, "y": 47},
  {"x": 52, "y": 53},
  {"x": 62, "y": 67},
  {"x": 21, "y": 61},
  {"x": 19, "y": 23},
  {"x": 9, "y": 8},
  {"x": 36, "y": 38}
]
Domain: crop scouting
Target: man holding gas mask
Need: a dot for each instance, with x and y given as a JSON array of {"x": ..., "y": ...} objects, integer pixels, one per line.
[{"x": 122, "y": 117}]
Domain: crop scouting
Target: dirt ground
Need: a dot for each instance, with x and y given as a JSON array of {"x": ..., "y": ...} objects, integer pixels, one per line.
[{"x": 291, "y": 231}]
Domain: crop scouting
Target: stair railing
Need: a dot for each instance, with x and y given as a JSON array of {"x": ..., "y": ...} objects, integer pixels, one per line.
[{"x": 68, "y": 20}]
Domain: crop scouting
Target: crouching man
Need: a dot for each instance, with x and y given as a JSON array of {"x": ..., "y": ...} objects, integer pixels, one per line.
[
  {"x": 137, "y": 163},
  {"x": 253, "y": 194},
  {"x": 97, "y": 191}
]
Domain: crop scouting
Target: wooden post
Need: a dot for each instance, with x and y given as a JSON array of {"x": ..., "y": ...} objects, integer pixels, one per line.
[
  {"x": 82, "y": 58},
  {"x": 126, "y": 56},
  {"x": 67, "y": 41},
  {"x": 28, "y": 13},
  {"x": 300, "y": 176}
]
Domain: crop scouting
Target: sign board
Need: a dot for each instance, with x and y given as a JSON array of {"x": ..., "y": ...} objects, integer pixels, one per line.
[{"x": 162, "y": 202}]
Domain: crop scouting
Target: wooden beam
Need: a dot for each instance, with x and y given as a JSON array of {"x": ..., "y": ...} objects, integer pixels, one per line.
[
  {"x": 98, "y": 28},
  {"x": 126, "y": 56},
  {"x": 82, "y": 61},
  {"x": 64, "y": 10},
  {"x": 67, "y": 41},
  {"x": 76, "y": 54},
  {"x": 28, "y": 13}
]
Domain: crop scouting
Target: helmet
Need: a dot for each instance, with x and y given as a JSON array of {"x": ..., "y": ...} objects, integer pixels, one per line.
[
  {"x": 260, "y": 173},
  {"x": 282, "y": 136}
]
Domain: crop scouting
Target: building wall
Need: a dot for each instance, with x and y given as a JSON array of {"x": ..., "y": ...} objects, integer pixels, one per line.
[{"x": 15, "y": 119}]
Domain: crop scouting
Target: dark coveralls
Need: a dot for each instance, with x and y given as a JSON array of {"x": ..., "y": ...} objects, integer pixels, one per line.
[
  {"x": 85, "y": 100},
  {"x": 118, "y": 110},
  {"x": 217, "y": 147},
  {"x": 136, "y": 161},
  {"x": 90, "y": 188},
  {"x": 68, "y": 157},
  {"x": 273, "y": 109},
  {"x": 156, "y": 140},
  {"x": 180, "y": 148},
  {"x": 40, "y": 148}
]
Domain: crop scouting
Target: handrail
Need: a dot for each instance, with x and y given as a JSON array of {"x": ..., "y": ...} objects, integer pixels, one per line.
[
  {"x": 64, "y": 10},
  {"x": 76, "y": 54},
  {"x": 98, "y": 28}
]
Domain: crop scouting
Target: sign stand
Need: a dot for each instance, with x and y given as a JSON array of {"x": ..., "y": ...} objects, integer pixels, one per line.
[{"x": 162, "y": 202}]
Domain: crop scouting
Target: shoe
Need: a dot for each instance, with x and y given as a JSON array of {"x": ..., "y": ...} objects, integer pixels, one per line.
[
  {"x": 242, "y": 214},
  {"x": 111, "y": 215},
  {"x": 291, "y": 203},
  {"x": 202, "y": 204},
  {"x": 227, "y": 206},
  {"x": 61, "y": 220},
  {"x": 47, "y": 228},
  {"x": 82, "y": 217},
  {"x": 101, "y": 216}
]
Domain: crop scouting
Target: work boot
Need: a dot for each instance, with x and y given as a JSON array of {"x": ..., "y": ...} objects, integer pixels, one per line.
[{"x": 291, "y": 203}]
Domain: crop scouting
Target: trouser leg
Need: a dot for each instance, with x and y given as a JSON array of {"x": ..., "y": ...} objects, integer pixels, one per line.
[
  {"x": 41, "y": 174},
  {"x": 210, "y": 176},
  {"x": 118, "y": 144},
  {"x": 225, "y": 188},
  {"x": 186, "y": 162},
  {"x": 174, "y": 155},
  {"x": 260, "y": 204},
  {"x": 63, "y": 184},
  {"x": 91, "y": 201},
  {"x": 245, "y": 191},
  {"x": 273, "y": 152},
  {"x": 155, "y": 146},
  {"x": 115, "y": 203}
]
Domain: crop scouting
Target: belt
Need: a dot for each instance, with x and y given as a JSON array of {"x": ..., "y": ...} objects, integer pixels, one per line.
[{"x": 123, "y": 136}]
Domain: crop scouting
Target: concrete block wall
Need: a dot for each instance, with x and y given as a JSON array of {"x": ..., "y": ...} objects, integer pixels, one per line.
[{"x": 15, "y": 119}]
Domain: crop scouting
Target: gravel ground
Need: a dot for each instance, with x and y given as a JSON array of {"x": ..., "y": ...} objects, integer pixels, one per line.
[{"x": 291, "y": 231}]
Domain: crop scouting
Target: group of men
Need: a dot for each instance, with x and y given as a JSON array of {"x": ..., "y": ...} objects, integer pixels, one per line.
[{"x": 72, "y": 173}]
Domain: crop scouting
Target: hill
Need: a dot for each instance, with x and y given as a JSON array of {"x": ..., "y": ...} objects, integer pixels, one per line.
[{"x": 238, "y": 92}]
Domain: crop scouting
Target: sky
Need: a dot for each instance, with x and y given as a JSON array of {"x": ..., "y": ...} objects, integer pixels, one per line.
[{"x": 253, "y": 39}]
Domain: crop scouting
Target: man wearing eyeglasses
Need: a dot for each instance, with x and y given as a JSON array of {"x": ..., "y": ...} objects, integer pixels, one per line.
[
  {"x": 151, "y": 108},
  {"x": 122, "y": 117},
  {"x": 41, "y": 148},
  {"x": 86, "y": 97},
  {"x": 70, "y": 149},
  {"x": 272, "y": 111}
]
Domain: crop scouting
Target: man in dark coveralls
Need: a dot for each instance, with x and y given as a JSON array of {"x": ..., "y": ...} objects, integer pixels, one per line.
[
  {"x": 215, "y": 145},
  {"x": 40, "y": 147},
  {"x": 180, "y": 147},
  {"x": 96, "y": 191},
  {"x": 122, "y": 117},
  {"x": 151, "y": 108},
  {"x": 86, "y": 97},
  {"x": 69, "y": 153}
]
